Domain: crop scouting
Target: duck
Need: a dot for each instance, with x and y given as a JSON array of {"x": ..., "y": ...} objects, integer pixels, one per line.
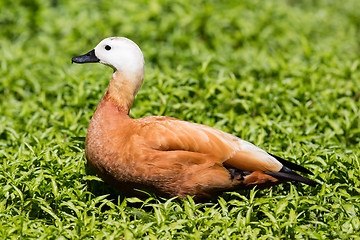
[{"x": 163, "y": 155}]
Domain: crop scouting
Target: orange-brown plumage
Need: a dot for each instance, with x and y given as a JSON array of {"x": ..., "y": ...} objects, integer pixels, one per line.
[{"x": 165, "y": 155}]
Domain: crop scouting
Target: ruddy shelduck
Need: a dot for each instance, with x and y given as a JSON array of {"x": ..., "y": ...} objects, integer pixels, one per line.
[{"x": 165, "y": 155}]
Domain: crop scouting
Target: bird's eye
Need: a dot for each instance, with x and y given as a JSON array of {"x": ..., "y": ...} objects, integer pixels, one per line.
[{"x": 107, "y": 47}]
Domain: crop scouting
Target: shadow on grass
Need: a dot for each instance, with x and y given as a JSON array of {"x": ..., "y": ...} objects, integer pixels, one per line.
[{"x": 100, "y": 188}]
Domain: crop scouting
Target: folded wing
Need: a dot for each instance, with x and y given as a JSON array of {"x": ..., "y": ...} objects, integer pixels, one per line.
[{"x": 169, "y": 134}]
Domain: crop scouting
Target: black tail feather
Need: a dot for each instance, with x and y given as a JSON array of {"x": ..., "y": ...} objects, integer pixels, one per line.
[
  {"x": 287, "y": 174},
  {"x": 291, "y": 165}
]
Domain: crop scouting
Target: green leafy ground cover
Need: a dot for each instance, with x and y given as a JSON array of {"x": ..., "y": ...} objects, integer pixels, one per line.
[{"x": 281, "y": 74}]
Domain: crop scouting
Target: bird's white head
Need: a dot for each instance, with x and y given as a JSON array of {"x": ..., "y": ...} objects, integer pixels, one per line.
[
  {"x": 127, "y": 60},
  {"x": 120, "y": 53}
]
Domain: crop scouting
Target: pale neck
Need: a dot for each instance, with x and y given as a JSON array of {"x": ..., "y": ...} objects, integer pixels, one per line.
[{"x": 123, "y": 88}]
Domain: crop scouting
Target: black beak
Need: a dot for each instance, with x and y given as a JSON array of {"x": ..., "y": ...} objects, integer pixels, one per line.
[{"x": 86, "y": 58}]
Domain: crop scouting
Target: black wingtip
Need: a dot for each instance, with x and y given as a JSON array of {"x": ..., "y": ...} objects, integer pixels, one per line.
[
  {"x": 291, "y": 165},
  {"x": 288, "y": 175}
]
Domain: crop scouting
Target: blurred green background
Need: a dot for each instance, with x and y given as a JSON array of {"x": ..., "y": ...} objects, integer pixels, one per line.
[{"x": 281, "y": 74}]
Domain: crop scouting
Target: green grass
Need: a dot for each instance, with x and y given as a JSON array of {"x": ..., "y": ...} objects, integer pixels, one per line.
[{"x": 284, "y": 75}]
